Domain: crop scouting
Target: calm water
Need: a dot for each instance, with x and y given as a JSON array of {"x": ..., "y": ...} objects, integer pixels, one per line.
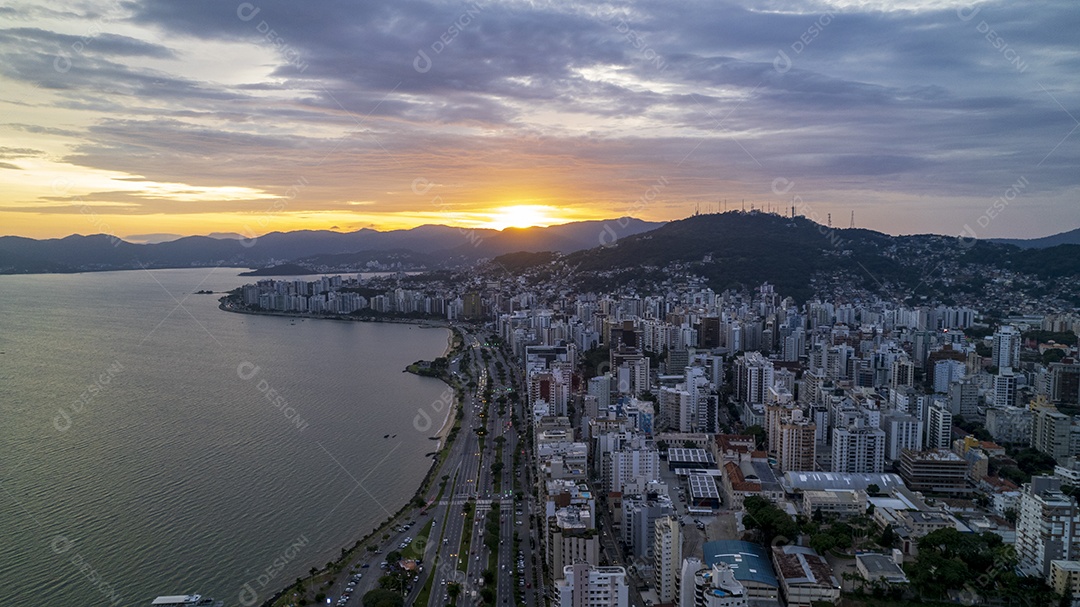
[{"x": 140, "y": 455}]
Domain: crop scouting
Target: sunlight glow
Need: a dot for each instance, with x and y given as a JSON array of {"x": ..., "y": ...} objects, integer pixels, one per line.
[{"x": 523, "y": 216}]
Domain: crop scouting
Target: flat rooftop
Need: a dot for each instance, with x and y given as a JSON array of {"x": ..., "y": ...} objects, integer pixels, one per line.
[{"x": 748, "y": 561}]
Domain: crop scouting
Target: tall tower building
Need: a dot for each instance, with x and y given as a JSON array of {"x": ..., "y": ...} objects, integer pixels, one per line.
[
  {"x": 858, "y": 449},
  {"x": 795, "y": 450},
  {"x": 1006, "y": 347},
  {"x": 938, "y": 426},
  {"x": 584, "y": 585},
  {"x": 1005, "y": 388},
  {"x": 1047, "y": 527},
  {"x": 667, "y": 557}
]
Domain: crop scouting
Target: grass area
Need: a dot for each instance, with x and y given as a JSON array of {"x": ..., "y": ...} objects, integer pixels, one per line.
[
  {"x": 848, "y": 601},
  {"x": 466, "y": 536},
  {"x": 425, "y": 593}
]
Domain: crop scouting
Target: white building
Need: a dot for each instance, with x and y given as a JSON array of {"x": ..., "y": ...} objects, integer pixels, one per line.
[
  {"x": 1005, "y": 388},
  {"x": 1009, "y": 425},
  {"x": 901, "y": 432},
  {"x": 858, "y": 448},
  {"x": 938, "y": 426},
  {"x": 1006, "y": 347},
  {"x": 714, "y": 586},
  {"x": 628, "y": 470},
  {"x": 667, "y": 557},
  {"x": 584, "y": 585},
  {"x": 946, "y": 372},
  {"x": 1047, "y": 528}
]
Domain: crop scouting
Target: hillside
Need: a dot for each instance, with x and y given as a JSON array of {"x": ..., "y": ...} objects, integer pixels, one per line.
[
  {"x": 804, "y": 259},
  {"x": 423, "y": 247},
  {"x": 1070, "y": 237}
]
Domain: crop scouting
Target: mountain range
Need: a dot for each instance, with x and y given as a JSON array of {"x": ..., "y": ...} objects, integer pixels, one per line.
[
  {"x": 423, "y": 247},
  {"x": 731, "y": 249},
  {"x": 804, "y": 259}
]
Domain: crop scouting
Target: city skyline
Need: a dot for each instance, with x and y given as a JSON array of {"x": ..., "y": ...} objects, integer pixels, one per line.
[{"x": 953, "y": 118}]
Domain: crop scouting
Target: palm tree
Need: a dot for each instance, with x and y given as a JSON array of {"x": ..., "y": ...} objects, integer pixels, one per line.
[{"x": 453, "y": 589}]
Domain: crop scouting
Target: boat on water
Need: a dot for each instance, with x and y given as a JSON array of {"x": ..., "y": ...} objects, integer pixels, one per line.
[{"x": 185, "y": 600}]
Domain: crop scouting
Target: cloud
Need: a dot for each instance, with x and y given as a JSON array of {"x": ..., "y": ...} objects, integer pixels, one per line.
[{"x": 581, "y": 105}]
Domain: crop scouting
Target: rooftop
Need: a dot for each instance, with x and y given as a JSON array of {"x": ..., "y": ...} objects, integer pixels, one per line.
[
  {"x": 880, "y": 565},
  {"x": 803, "y": 481},
  {"x": 748, "y": 561},
  {"x": 802, "y": 565}
]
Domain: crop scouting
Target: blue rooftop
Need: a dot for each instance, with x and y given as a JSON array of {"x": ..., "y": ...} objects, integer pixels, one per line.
[{"x": 748, "y": 561}]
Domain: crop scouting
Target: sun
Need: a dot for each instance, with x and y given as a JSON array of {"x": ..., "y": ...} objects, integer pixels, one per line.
[{"x": 523, "y": 216}]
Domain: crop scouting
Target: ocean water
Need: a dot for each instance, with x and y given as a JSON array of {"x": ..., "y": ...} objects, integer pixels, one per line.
[{"x": 151, "y": 443}]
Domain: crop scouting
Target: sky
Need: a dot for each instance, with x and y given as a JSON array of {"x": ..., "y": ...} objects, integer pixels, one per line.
[{"x": 138, "y": 118}]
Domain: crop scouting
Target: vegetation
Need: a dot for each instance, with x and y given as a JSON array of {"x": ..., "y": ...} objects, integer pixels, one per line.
[
  {"x": 769, "y": 520},
  {"x": 380, "y": 597},
  {"x": 949, "y": 559},
  {"x": 759, "y": 435}
]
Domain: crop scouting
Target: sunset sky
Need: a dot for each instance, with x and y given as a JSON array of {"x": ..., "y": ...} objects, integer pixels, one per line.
[{"x": 197, "y": 117}]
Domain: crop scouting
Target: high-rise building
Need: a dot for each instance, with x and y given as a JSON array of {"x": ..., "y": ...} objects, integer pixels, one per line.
[
  {"x": 902, "y": 374},
  {"x": 938, "y": 426},
  {"x": 600, "y": 387},
  {"x": 753, "y": 377},
  {"x": 1005, "y": 388},
  {"x": 964, "y": 399},
  {"x": 584, "y": 585},
  {"x": 1065, "y": 382},
  {"x": 1051, "y": 432},
  {"x": 795, "y": 449},
  {"x": 472, "y": 306},
  {"x": 947, "y": 371},
  {"x": 667, "y": 557},
  {"x": 859, "y": 449},
  {"x": 714, "y": 586},
  {"x": 1047, "y": 527},
  {"x": 628, "y": 470},
  {"x": 902, "y": 431},
  {"x": 1006, "y": 347},
  {"x": 1009, "y": 425}
]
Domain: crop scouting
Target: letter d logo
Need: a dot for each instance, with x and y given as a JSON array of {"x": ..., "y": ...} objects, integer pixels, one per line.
[{"x": 248, "y": 596}]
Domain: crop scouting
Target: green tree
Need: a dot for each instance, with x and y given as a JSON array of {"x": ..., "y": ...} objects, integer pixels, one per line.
[
  {"x": 759, "y": 435},
  {"x": 380, "y": 597},
  {"x": 822, "y": 542},
  {"x": 888, "y": 537},
  {"x": 453, "y": 589}
]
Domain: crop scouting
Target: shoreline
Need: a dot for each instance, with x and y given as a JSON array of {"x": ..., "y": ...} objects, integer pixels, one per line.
[
  {"x": 442, "y": 437},
  {"x": 423, "y": 323}
]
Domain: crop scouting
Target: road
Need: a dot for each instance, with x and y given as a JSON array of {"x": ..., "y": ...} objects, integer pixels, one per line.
[{"x": 471, "y": 485}]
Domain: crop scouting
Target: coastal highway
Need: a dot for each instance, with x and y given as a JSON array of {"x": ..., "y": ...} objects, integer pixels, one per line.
[
  {"x": 461, "y": 468},
  {"x": 471, "y": 481}
]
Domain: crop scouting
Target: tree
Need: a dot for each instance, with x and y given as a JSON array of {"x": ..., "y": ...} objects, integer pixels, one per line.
[
  {"x": 453, "y": 589},
  {"x": 759, "y": 435},
  {"x": 888, "y": 537},
  {"x": 822, "y": 542},
  {"x": 380, "y": 597},
  {"x": 873, "y": 489}
]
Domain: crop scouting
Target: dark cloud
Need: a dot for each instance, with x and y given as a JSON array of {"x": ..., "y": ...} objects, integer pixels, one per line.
[{"x": 715, "y": 95}]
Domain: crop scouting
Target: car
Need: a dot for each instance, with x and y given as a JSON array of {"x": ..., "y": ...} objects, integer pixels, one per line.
[{"x": 364, "y": 566}]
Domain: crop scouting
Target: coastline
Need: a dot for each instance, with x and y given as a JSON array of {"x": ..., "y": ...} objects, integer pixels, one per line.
[
  {"x": 444, "y": 437},
  {"x": 423, "y": 323}
]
